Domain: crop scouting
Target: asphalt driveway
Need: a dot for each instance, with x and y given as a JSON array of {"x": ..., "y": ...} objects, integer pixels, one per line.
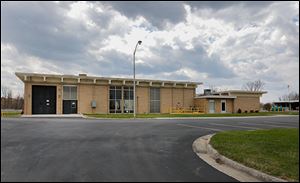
[{"x": 41, "y": 149}]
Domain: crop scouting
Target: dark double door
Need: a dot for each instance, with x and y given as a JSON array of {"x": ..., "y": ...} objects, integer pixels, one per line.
[{"x": 43, "y": 99}]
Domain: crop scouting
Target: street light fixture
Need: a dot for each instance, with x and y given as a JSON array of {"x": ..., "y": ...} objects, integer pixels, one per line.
[{"x": 134, "y": 98}]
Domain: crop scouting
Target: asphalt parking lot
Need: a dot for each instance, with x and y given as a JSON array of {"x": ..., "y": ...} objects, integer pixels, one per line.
[{"x": 64, "y": 149}]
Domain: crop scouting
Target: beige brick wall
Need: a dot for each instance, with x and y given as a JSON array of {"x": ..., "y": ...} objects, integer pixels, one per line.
[
  {"x": 59, "y": 97},
  {"x": 88, "y": 92},
  {"x": 27, "y": 99},
  {"x": 165, "y": 100},
  {"x": 229, "y": 105},
  {"x": 204, "y": 104},
  {"x": 188, "y": 98},
  {"x": 101, "y": 96},
  {"x": 246, "y": 103},
  {"x": 177, "y": 94},
  {"x": 218, "y": 106},
  {"x": 201, "y": 103},
  {"x": 85, "y": 97},
  {"x": 143, "y": 98}
]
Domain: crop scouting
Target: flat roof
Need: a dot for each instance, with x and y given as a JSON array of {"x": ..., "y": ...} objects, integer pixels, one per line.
[
  {"x": 290, "y": 101},
  {"x": 24, "y": 76},
  {"x": 215, "y": 96},
  {"x": 242, "y": 91}
]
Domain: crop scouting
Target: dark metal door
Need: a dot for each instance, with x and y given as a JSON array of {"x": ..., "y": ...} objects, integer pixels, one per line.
[
  {"x": 43, "y": 99},
  {"x": 70, "y": 107}
]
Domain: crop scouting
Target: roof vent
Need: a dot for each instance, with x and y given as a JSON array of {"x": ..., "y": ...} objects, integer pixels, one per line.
[{"x": 82, "y": 75}]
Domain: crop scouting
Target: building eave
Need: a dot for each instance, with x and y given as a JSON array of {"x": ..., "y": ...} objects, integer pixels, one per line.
[
  {"x": 24, "y": 77},
  {"x": 216, "y": 96}
]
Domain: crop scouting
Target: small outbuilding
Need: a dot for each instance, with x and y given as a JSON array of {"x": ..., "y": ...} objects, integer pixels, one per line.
[{"x": 230, "y": 101}]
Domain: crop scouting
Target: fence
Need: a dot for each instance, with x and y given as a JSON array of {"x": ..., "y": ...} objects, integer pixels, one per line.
[{"x": 189, "y": 110}]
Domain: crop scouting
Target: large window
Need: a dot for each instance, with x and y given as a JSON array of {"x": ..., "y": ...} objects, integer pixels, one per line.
[
  {"x": 154, "y": 100},
  {"x": 69, "y": 92},
  {"x": 128, "y": 99},
  {"x": 115, "y": 97}
]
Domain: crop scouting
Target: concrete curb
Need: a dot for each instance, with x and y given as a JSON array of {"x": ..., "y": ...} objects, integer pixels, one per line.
[
  {"x": 189, "y": 118},
  {"x": 53, "y": 116},
  {"x": 232, "y": 168}
]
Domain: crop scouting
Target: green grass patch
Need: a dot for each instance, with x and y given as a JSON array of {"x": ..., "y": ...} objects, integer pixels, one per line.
[
  {"x": 188, "y": 115},
  {"x": 275, "y": 151},
  {"x": 10, "y": 114}
]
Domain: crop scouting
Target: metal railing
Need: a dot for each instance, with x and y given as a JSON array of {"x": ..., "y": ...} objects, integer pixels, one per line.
[{"x": 187, "y": 110}]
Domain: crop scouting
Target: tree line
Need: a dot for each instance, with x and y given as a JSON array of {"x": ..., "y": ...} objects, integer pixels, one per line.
[{"x": 10, "y": 102}]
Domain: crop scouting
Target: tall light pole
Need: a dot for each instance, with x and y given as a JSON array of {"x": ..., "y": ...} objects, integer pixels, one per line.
[{"x": 134, "y": 98}]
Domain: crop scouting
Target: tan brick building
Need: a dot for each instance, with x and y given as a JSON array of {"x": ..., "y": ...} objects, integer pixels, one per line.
[
  {"x": 65, "y": 94},
  {"x": 230, "y": 101}
]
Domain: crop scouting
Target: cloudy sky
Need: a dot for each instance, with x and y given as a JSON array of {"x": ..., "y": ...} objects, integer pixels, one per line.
[{"x": 222, "y": 44}]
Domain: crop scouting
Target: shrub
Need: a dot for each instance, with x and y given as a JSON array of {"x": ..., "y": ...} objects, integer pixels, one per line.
[
  {"x": 246, "y": 111},
  {"x": 251, "y": 111},
  {"x": 256, "y": 111},
  {"x": 267, "y": 106},
  {"x": 239, "y": 111}
]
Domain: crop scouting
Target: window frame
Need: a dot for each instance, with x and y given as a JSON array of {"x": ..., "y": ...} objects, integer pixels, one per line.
[
  {"x": 154, "y": 101},
  {"x": 70, "y": 86}
]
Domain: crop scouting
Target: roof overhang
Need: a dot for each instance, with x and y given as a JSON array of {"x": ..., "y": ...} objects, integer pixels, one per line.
[
  {"x": 290, "y": 101},
  {"x": 242, "y": 91},
  {"x": 84, "y": 79},
  {"x": 216, "y": 97}
]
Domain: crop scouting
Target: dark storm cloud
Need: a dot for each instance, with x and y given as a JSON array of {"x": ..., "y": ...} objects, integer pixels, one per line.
[
  {"x": 38, "y": 29},
  {"x": 218, "y": 5},
  {"x": 171, "y": 60},
  {"x": 41, "y": 29},
  {"x": 155, "y": 12}
]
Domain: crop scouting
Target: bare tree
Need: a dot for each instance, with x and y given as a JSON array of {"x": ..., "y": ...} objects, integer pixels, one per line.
[
  {"x": 4, "y": 95},
  {"x": 290, "y": 96},
  {"x": 4, "y": 91},
  {"x": 19, "y": 101},
  {"x": 213, "y": 88},
  {"x": 257, "y": 85},
  {"x": 9, "y": 99}
]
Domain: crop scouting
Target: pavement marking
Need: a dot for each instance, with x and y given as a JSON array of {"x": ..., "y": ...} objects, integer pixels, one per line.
[
  {"x": 191, "y": 126},
  {"x": 267, "y": 125},
  {"x": 235, "y": 126}
]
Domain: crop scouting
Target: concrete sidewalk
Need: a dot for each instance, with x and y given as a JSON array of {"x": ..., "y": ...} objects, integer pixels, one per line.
[{"x": 53, "y": 116}]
